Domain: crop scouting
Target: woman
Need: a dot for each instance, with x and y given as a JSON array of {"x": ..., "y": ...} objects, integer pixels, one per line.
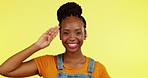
[{"x": 72, "y": 63}]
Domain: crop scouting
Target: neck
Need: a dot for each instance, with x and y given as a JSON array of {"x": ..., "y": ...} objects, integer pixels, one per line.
[{"x": 74, "y": 57}]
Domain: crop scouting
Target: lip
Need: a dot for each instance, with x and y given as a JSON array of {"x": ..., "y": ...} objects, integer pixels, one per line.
[{"x": 72, "y": 45}]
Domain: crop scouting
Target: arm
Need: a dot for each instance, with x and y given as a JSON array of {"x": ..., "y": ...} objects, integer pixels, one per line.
[{"x": 15, "y": 67}]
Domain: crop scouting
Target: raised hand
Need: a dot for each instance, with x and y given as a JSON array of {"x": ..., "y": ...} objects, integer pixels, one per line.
[{"x": 47, "y": 37}]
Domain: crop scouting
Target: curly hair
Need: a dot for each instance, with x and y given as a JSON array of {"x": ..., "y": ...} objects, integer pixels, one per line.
[{"x": 70, "y": 9}]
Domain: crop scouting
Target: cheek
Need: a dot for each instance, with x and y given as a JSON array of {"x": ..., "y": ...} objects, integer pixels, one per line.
[
  {"x": 83, "y": 36},
  {"x": 63, "y": 38},
  {"x": 80, "y": 38}
]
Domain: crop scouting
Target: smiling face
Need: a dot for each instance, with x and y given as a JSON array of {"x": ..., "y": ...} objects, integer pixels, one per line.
[{"x": 72, "y": 33}]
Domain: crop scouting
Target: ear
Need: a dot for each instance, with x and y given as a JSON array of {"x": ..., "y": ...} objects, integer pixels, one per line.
[{"x": 85, "y": 35}]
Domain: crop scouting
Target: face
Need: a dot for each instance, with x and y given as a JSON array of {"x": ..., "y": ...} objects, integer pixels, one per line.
[{"x": 72, "y": 34}]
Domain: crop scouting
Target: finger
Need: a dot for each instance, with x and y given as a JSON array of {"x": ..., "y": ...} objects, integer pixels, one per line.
[
  {"x": 55, "y": 34},
  {"x": 48, "y": 31},
  {"x": 51, "y": 32},
  {"x": 54, "y": 30}
]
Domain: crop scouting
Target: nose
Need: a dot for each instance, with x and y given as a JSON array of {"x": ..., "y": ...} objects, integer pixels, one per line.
[{"x": 72, "y": 37}]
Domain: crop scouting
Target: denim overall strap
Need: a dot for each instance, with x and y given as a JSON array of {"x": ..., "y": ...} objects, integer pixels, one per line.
[
  {"x": 59, "y": 60},
  {"x": 91, "y": 65}
]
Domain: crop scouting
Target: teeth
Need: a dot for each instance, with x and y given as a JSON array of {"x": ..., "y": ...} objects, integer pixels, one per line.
[{"x": 72, "y": 44}]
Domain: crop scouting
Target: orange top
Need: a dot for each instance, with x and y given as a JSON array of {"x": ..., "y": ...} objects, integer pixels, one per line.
[{"x": 47, "y": 67}]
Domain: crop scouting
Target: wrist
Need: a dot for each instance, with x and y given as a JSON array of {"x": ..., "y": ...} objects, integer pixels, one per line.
[{"x": 37, "y": 46}]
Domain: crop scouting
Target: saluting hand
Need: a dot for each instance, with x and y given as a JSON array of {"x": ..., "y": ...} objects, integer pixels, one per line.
[{"x": 47, "y": 37}]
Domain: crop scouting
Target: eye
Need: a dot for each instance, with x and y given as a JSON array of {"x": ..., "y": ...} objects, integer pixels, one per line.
[
  {"x": 65, "y": 33},
  {"x": 78, "y": 33}
]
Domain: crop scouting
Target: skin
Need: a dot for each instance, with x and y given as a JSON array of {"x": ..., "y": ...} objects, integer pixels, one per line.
[
  {"x": 15, "y": 67},
  {"x": 72, "y": 32}
]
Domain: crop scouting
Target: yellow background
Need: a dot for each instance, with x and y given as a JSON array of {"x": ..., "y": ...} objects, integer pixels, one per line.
[{"x": 117, "y": 32}]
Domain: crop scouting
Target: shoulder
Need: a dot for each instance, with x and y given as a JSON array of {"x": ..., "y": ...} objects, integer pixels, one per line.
[
  {"x": 44, "y": 63},
  {"x": 97, "y": 64},
  {"x": 100, "y": 69},
  {"x": 44, "y": 56},
  {"x": 45, "y": 59}
]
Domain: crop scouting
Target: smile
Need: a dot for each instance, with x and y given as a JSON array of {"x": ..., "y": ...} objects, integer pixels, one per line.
[{"x": 72, "y": 45}]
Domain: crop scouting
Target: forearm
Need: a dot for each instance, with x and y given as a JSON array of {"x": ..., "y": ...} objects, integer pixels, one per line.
[
  {"x": 14, "y": 65},
  {"x": 16, "y": 60}
]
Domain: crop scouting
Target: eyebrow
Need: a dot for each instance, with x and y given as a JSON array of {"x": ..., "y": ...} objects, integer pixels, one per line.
[
  {"x": 79, "y": 29},
  {"x": 65, "y": 30}
]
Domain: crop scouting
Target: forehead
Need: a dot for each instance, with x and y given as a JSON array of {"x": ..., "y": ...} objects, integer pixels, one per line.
[{"x": 72, "y": 23}]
